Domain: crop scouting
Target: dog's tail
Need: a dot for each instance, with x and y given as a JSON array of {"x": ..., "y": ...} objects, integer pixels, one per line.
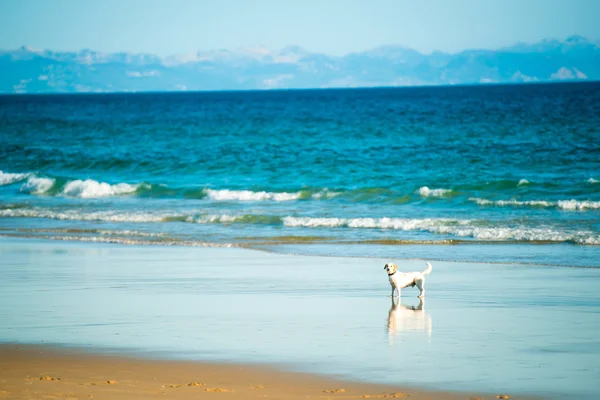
[{"x": 428, "y": 270}]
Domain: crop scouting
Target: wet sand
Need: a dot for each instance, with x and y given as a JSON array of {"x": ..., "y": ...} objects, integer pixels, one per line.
[{"x": 44, "y": 372}]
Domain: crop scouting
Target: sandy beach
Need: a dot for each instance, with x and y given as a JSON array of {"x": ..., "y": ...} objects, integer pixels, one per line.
[
  {"x": 150, "y": 317},
  {"x": 50, "y": 373}
]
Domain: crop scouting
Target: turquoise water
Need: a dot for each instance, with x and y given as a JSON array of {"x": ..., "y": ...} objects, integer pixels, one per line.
[{"x": 486, "y": 173}]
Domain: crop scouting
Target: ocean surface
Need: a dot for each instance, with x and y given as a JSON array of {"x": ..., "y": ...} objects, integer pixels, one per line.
[{"x": 507, "y": 174}]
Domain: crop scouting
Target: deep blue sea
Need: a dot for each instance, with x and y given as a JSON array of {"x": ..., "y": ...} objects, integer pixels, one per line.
[{"x": 481, "y": 173}]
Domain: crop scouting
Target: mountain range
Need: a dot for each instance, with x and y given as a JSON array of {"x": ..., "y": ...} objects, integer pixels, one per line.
[{"x": 27, "y": 70}]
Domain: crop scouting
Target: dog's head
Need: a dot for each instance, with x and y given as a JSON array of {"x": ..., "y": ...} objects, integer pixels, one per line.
[{"x": 390, "y": 268}]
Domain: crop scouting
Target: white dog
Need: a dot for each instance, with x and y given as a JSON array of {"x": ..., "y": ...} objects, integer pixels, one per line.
[{"x": 401, "y": 280}]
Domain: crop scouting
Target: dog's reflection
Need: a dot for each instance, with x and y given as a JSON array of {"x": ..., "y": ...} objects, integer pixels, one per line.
[{"x": 407, "y": 318}]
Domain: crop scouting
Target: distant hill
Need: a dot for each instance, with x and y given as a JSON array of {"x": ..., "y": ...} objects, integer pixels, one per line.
[{"x": 27, "y": 70}]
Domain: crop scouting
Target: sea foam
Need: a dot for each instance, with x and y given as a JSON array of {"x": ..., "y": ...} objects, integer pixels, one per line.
[
  {"x": 578, "y": 205},
  {"x": 72, "y": 215},
  {"x": 522, "y": 234},
  {"x": 460, "y": 228},
  {"x": 512, "y": 202},
  {"x": 405, "y": 224},
  {"x": 561, "y": 204}
]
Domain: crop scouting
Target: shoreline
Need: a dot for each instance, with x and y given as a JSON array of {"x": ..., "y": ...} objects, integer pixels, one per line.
[
  {"x": 48, "y": 371},
  {"x": 272, "y": 248}
]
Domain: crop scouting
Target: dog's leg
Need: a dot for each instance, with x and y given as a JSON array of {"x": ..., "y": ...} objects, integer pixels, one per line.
[{"x": 421, "y": 285}]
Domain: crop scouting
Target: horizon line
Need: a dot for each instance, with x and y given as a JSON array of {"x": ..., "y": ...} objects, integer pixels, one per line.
[{"x": 434, "y": 86}]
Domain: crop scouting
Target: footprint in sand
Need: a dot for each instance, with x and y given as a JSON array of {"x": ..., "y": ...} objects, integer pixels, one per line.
[
  {"x": 334, "y": 391},
  {"x": 503, "y": 396},
  {"x": 258, "y": 387},
  {"x": 217, "y": 390},
  {"x": 174, "y": 386},
  {"x": 397, "y": 395},
  {"x": 48, "y": 378},
  {"x": 111, "y": 382}
]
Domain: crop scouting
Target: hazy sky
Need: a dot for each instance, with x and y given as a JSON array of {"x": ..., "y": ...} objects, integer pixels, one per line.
[{"x": 331, "y": 26}]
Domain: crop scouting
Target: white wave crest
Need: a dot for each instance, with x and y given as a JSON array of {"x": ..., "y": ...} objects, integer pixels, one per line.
[
  {"x": 92, "y": 189},
  {"x": 247, "y": 195},
  {"x": 562, "y": 204},
  {"x": 578, "y": 205},
  {"x": 128, "y": 232},
  {"x": 523, "y": 182},
  {"x": 591, "y": 241},
  {"x": 37, "y": 185},
  {"x": 528, "y": 234},
  {"x": 212, "y": 219},
  {"x": 460, "y": 228},
  {"x": 7, "y": 178},
  {"x": 405, "y": 224},
  {"x": 592, "y": 180},
  {"x": 324, "y": 194},
  {"x": 424, "y": 191},
  {"x": 512, "y": 202},
  {"x": 72, "y": 215}
]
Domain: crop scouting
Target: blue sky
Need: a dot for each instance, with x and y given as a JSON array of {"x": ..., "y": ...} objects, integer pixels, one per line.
[{"x": 331, "y": 26}]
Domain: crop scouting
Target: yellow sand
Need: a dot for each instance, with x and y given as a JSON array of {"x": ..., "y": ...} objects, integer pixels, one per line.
[{"x": 44, "y": 372}]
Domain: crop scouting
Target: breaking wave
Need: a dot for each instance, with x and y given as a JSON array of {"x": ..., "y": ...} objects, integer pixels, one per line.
[
  {"x": 426, "y": 192},
  {"x": 247, "y": 195},
  {"x": 7, "y": 178},
  {"x": 93, "y": 189},
  {"x": 89, "y": 188},
  {"x": 578, "y": 205},
  {"x": 38, "y": 185}
]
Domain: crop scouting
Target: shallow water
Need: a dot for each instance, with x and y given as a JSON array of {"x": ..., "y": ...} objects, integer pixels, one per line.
[
  {"x": 514, "y": 164},
  {"x": 493, "y": 328}
]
